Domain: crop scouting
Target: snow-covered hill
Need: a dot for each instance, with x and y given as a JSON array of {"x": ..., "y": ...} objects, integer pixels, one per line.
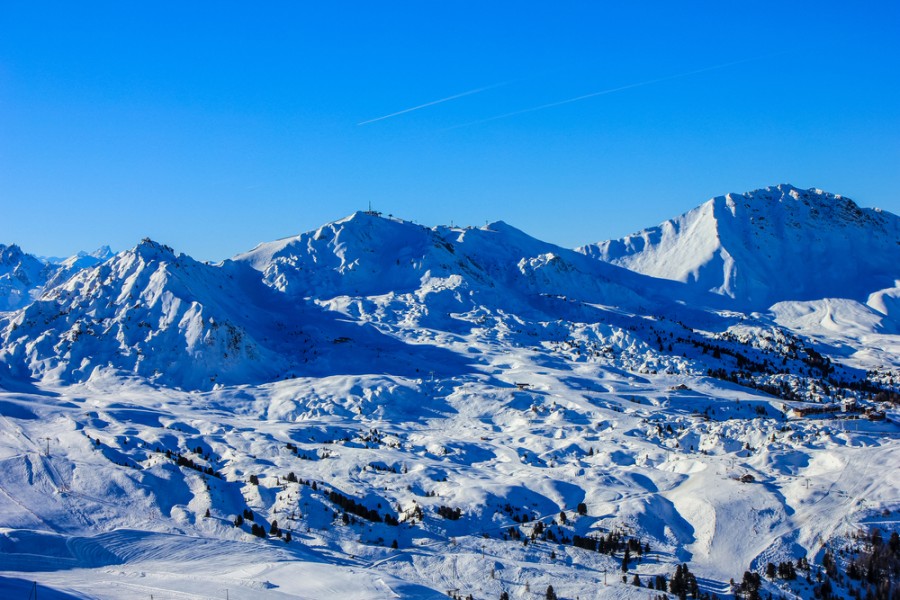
[{"x": 769, "y": 245}]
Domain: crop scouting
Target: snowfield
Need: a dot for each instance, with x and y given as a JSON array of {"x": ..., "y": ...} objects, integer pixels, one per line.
[{"x": 410, "y": 412}]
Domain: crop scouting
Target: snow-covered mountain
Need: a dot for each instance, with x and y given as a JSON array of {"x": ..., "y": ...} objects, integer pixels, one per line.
[
  {"x": 178, "y": 322},
  {"x": 366, "y": 254},
  {"x": 377, "y": 409},
  {"x": 22, "y": 277},
  {"x": 149, "y": 313},
  {"x": 423, "y": 275},
  {"x": 355, "y": 296},
  {"x": 65, "y": 268},
  {"x": 769, "y": 245}
]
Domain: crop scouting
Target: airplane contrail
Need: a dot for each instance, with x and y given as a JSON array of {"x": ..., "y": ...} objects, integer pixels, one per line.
[
  {"x": 433, "y": 102},
  {"x": 609, "y": 91}
]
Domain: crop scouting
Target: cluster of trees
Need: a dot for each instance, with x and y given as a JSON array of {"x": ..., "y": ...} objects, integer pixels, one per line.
[
  {"x": 290, "y": 477},
  {"x": 513, "y": 512},
  {"x": 745, "y": 378},
  {"x": 683, "y": 583},
  {"x": 257, "y": 529},
  {"x": 378, "y": 467},
  {"x": 293, "y": 448},
  {"x": 750, "y": 584},
  {"x": 817, "y": 365},
  {"x": 373, "y": 437},
  {"x": 453, "y": 514},
  {"x": 877, "y": 566},
  {"x": 784, "y": 570},
  {"x": 183, "y": 461},
  {"x": 612, "y": 543},
  {"x": 353, "y": 507},
  {"x": 247, "y": 514}
]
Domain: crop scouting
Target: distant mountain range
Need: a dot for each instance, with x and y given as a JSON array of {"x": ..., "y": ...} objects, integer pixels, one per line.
[
  {"x": 24, "y": 276},
  {"x": 379, "y": 283}
]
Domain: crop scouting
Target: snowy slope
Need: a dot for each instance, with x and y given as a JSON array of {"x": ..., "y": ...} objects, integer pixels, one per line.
[
  {"x": 773, "y": 244},
  {"x": 109, "y": 515}
]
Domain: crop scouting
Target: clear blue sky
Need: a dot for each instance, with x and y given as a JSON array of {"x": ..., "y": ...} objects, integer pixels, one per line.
[{"x": 214, "y": 126}]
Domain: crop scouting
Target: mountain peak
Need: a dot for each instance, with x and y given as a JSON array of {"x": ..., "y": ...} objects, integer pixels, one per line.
[
  {"x": 22, "y": 277},
  {"x": 151, "y": 250},
  {"x": 10, "y": 254},
  {"x": 787, "y": 193},
  {"x": 771, "y": 244},
  {"x": 102, "y": 253}
]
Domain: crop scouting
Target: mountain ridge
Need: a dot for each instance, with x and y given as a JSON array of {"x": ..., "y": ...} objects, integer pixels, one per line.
[
  {"x": 380, "y": 282},
  {"x": 769, "y": 245},
  {"x": 24, "y": 276}
]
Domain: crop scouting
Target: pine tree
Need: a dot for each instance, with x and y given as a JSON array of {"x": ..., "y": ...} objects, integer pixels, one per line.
[
  {"x": 750, "y": 585},
  {"x": 676, "y": 586},
  {"x": 551, "y": 595}
]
